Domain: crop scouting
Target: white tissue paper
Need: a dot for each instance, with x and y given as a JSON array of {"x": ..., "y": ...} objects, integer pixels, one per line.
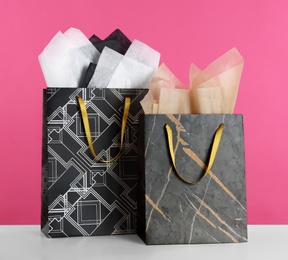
[
  {"x": 107, "y": 64},
  {"x": 66, "y": 58},
  {"x": 135, "y": 69},
  {"x": 79, "y": 40}
]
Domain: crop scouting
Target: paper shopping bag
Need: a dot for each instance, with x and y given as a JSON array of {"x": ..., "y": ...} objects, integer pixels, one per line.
[
  {"x": 81, "y": 195},
  {"x": 192, "y": 179}
]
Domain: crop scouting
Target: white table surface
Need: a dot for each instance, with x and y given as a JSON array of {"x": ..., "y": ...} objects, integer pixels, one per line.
[{"x": 27, "y": 242}]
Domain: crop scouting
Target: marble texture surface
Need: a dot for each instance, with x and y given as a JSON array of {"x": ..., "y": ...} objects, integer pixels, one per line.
[{"x": 173, "y": 212}]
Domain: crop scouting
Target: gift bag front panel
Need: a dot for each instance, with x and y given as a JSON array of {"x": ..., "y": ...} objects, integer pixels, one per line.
[
  {"x": 87, "y": 197},
  {"x": 213, "y": 211}
]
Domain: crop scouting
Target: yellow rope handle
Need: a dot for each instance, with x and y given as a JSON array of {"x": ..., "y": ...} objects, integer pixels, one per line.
[
  {"x": 215, "y": 146},
  {"x": 88, "y": 132}
]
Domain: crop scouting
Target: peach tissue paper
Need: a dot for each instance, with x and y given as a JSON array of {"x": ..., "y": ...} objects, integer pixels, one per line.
[{"x": 211, "y": 91}]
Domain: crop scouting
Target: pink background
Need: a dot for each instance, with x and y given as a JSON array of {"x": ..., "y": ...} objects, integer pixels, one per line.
[{"x": 183, "y": 31}]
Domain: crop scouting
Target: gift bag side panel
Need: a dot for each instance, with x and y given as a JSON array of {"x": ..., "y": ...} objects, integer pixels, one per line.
[
  {"x": 141, "y": 218},
  {"x": 44, "y": 182},
  {"x": 240, "y": 121}
]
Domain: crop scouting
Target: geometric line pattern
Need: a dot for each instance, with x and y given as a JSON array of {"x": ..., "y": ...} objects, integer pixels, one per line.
[{"x": 80, "y": 196}]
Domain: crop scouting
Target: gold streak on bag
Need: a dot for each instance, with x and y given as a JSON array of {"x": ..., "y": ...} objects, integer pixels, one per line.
[
  {"x": 88, "y": 132},
  {"x": 215, "y": 146}
]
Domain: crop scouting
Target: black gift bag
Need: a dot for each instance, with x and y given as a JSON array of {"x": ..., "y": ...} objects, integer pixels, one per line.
[
  {"x": 82, "y": 196},
  {"x": 213, "y": 208}
]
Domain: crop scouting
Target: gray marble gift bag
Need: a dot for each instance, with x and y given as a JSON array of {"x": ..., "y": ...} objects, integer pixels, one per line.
[{"x": 171, "y": 211}]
